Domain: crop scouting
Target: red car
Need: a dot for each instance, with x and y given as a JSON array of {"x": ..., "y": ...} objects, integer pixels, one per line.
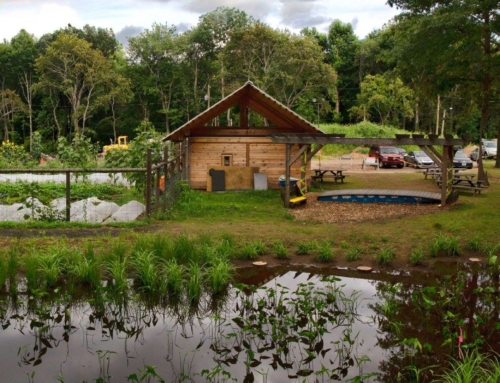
[{"x": 387, "y": 156}]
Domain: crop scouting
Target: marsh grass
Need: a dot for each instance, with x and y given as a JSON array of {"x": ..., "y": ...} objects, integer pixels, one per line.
[
  {"x": 475, "y": 243},
  {"x": 146, "y": 271},
  {"x": 194, "y": 282},
  {"x": 220, "y": 275},
  {"x": 162, "y": 246},
  {"x": 185, "y": 249},
  {"x": 116, "y": 269},
  {"x": 174, "y": 273},
  {"x": 416, "y": 257},
  {"x": 12, "y": 261},
  {"x": 251, "y": 249},
  {"x": 30, "y": 265},
  {"x": 325, "y": 252},
  {"x": 49, "y": 269},
  {"x": 444, "y": 245},
  {"x": 3, "y": 271},
  {"x": 354, "y": 254},
  {"x": 474, "y": 367},
  {"x": 306, "y": 247},
  {"x": 280, "y": 249},
  {"x": 385, "y": 256}
]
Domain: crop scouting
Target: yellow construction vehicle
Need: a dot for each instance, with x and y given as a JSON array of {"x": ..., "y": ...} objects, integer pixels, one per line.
[{"x": 122, "y": 143}]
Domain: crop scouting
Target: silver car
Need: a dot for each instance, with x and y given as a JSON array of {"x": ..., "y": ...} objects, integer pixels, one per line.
[
  {"x": 489, "y": 149},
  {"x": 418, "y": 159}
]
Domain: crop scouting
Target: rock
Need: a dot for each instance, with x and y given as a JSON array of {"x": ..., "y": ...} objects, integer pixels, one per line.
[{"x": 128, "y": 212}]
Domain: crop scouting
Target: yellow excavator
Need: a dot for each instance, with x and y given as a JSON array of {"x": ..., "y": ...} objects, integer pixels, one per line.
[{"x": 122, "y": 143}]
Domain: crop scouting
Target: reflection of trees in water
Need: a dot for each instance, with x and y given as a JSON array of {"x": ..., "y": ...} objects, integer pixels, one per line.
[
  {"x": 420, "y": 324},
  {"x": 306, "y": 332},
  {"x": 50, "y": 320}
]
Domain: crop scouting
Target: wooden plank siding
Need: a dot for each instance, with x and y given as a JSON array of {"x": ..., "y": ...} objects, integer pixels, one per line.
[{"x": 258, "y": 152}]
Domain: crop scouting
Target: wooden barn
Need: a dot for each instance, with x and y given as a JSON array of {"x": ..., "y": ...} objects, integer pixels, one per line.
[{"x": 240, "y": 151}]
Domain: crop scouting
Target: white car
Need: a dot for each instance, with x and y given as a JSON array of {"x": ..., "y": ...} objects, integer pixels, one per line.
[{"x": 489, "y": 149}]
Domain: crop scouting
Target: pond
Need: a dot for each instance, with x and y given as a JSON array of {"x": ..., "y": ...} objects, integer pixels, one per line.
[{"x": 274, "y": 325}]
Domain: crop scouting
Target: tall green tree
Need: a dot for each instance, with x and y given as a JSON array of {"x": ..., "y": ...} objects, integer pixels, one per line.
[
  {"x": 24, "y": 54},
  {"x": 343, "y": 46},
  {"x": 71, "y": 67},
  {"x": 155, "y": 54},
  {"x": 385, "y": 96},
  {"x": 461, "y": 38}
]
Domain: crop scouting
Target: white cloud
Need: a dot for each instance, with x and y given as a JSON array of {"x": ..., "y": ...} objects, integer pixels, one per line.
[
  {"x": 36, "y": 19},
  {"x": 44, "y": 16}
]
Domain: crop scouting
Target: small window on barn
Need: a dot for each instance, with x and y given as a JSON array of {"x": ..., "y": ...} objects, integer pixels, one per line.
[{"x": 227, "y": 160}]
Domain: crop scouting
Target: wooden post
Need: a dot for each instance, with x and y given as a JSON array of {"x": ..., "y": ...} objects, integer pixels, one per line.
[
  {"x": 148, "y": 182},
  {"x": 177, "y": 157},
  {"x": 446, "y": 173},
  {"x": 303, "y": 163},
  {"x": 437, "y": 113},
  {"x": 68, "y": 196},
  {"x": 186, "y": 159},
  {"x": 157, "y": 187},
  {"x": 165, "y": 175},
  {"x": 287, "y": 175}
]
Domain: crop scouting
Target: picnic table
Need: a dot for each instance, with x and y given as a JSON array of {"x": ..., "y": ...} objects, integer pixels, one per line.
[{"x": 320, "y": 173}]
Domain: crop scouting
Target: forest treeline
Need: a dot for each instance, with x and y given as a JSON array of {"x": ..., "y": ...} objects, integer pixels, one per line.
[{"x": 434, "y": 68}]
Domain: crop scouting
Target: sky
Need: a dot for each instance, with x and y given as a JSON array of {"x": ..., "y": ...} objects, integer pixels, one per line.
[{"x": 128, "y": 18}]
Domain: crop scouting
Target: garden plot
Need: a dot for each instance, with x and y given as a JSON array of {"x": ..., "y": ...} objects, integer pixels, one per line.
[{"x": 90, "y": 210}]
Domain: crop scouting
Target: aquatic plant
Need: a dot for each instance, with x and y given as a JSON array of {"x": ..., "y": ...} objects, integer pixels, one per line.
[
  {"x": 194, "y": 282},
  {"x": 220, "y": 275},
  {"x": 86, "y": 268},
  {"x": 49, "y": 269},
  {"x": 146, "y": 271},
  {"x": 3, "y": 271},
  {"x": 30, "y": 266},
  {"x": 117, "y": 271},
  {"x": 185, "y": 249},
  {"x": 174, "y": 273},
  {"x": 475, "y": 367}
]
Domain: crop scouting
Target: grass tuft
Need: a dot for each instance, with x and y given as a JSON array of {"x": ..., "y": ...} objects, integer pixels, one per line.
[
  {"x": 325, "y": 253},
  {"x": 385, "y": 256},
  {"x": 280, "y": 249}
]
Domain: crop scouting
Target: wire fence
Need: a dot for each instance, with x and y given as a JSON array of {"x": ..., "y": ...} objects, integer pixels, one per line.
[{"x": 93, "y": 195}]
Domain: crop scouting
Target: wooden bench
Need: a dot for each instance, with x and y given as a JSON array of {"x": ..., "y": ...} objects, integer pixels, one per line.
[
  {"x": 432, "y": 172},
  {"x": 474, "y": 189},
  {"x": 370, "y": 161}
]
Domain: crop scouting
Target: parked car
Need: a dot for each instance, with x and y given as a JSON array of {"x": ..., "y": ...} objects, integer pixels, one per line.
[
  {"x": 474, "y": 154},
  {"x": 418, "y": 159},
  {"x": 461, "y": 160},
  {"x": 402, "y": 151},
  {"x": 386, "y": 156},
  {"x": 489, "y": 149}
]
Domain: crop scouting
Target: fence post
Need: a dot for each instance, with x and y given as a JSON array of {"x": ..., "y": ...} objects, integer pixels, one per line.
[
  {"x": 68, "y": 196},
  {"x": 165, "y": 174},
  {"x": 148, "y": 182}
]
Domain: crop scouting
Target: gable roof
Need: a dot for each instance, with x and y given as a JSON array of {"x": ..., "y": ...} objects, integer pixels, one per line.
[{"x": 257, "y": 100}]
